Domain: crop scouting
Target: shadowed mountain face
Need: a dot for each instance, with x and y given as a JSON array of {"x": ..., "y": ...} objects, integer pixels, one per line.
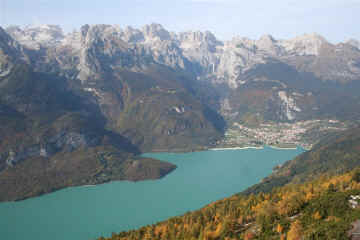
[
  {"x": 53, "y": 137},
  {"x": 97, "y": 97}
]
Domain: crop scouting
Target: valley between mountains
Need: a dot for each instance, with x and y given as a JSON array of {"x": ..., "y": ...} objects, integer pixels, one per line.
[{"x": 79, "y": 108}]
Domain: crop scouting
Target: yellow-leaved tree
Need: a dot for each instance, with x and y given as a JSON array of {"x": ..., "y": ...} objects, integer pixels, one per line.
[{"x": 295, "y": 232}]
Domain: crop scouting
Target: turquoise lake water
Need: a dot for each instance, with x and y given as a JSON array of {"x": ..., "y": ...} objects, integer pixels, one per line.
[{"x": 89, "y": 212}]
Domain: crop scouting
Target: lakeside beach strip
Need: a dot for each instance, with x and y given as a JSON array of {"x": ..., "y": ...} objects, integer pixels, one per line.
[
  {"x": 252, "y": 147},
  {"x": 283, "y": 148},
  {"x": 235, "y": 148}
]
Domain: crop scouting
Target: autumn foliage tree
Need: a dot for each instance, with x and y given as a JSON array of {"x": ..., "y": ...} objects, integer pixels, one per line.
[{"x": 295, "y": 232}]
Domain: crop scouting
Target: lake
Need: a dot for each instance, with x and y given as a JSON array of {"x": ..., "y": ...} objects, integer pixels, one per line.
[{"x": 91, "y": 211}]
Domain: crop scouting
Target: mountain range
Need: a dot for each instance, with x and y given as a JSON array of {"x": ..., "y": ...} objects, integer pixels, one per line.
[
  {"x": 282, "y": 80},
  {"x": 78, "y": 108}
]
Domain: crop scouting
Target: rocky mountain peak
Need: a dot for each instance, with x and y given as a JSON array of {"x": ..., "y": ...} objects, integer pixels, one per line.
[
  {"x": 4, "y": 37},
  {"x": 307, "y": 44},
  {"x": 354, "y": 43},
  {"x": 34, "y": 37},
  {"x": 266, "y": 38},
  {"x": 84, "y": 30},
  {"x": 241, "y": 42},
  {"x": 10, "y": 52},
  {"x": 198, "y": 39},
  {"x": 156, "y": 31},
  {"x": 98, "y": 32},
  {"x": 197, "y": 36},
  {"x": 132, "y": 35},
  {"x": 268, "y": 44}
]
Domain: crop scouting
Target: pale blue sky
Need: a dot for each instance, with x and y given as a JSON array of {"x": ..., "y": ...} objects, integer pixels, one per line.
[{"x": 336, "y": 20}]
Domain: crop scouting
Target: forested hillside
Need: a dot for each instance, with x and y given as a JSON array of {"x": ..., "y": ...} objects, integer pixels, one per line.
[
  {"x": 335, "y": 154},
  {"x": 319, "y": 209}
]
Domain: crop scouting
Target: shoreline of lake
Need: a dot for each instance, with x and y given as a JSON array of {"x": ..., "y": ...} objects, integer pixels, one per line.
[{"x": 88, "y": 212}]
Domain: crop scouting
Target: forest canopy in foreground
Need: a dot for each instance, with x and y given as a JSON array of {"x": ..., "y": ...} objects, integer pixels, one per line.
[{"x": 320, "y": 209}]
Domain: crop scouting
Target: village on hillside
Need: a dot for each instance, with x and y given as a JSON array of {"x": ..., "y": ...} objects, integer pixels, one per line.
[{"x": 282, "y": 135}]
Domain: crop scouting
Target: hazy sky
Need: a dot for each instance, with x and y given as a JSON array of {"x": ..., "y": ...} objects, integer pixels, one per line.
[{"x": 336, "y": 20}]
